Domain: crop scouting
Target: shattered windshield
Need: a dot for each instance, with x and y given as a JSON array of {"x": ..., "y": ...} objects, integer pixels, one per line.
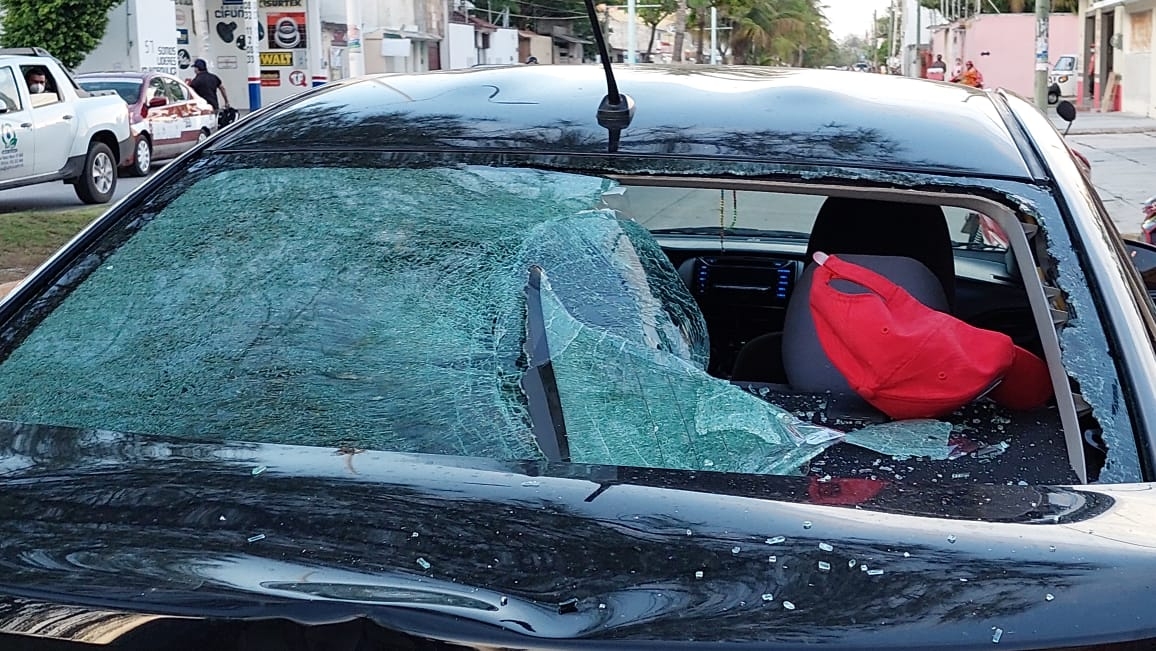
[{"x": 387, "y": 309}]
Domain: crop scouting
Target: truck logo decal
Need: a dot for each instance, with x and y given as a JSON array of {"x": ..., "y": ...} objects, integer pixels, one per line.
[{"x": 8, "y": 137}]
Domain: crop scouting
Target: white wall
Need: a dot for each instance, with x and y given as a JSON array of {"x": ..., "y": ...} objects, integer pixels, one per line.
[
  {"x": 458, "y": 47},
  {"x": 503, "y": 47}
]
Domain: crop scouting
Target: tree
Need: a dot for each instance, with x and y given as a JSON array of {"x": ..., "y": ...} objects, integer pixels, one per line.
[
  {"x": 653, "y": 14},
  {"x": 69, "y": 29}
]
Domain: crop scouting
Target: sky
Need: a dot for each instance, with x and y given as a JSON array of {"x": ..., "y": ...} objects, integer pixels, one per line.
[{"x": 851, "y": 16}]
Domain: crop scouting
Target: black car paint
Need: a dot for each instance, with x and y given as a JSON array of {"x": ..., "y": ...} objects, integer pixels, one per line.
[
  {"x": 117, "y": 527},
  {"x": 140, "y": 524}
]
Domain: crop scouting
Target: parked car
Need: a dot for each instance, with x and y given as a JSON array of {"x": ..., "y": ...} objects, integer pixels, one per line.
[
  {"x": 167, "y": 117},
  {"x": 1062, "y": 79},
  {"x": 61, "y": 133},
  {"x": 463, "y": 360}
]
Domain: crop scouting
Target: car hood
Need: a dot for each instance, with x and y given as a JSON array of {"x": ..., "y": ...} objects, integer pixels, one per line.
[{"x": 139, "y": 529}]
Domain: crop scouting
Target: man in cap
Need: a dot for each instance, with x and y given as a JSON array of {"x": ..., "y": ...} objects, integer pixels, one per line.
[{"x": 206, "y": 84}]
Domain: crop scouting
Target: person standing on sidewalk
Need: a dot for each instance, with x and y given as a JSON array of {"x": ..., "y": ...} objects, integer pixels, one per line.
[
  {"x": 206, "y": 85},
  {"x": 937, "y": 71}
]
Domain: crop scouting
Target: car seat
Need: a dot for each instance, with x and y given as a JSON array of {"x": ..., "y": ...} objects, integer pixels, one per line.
[{"x": 908, "y": 243}]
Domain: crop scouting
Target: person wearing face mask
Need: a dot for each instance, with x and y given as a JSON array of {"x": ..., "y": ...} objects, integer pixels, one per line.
[{"x": 37, "y": 82}]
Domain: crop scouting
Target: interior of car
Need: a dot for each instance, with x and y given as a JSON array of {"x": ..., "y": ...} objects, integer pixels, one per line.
[{"x": 747, "y": 257}]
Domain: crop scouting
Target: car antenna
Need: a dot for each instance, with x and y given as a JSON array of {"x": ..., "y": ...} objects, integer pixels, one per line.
[{"x": 617, "y": 109}]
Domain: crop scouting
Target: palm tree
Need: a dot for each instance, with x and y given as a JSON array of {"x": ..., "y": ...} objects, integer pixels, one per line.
[{"x": 778, "y": 31}]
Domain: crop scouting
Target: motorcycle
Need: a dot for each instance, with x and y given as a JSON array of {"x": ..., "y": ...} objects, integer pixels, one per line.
[{"x": 1148, "y": 228}]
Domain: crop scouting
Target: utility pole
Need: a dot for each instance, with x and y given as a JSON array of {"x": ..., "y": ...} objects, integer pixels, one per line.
[
  {"x": 252, "y": 52},
  {"x": 353, "y": 38},
  {"x": 918, "y": 40},
  {"x": 714, "y": 35},
  {"x": 631, "y": 30},
  {"x": 1043, "y": 10},
  {"x": 874, "y": 42}
]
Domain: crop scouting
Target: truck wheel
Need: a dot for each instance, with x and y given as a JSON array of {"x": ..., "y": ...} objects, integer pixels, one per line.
[
  {"x": 98, "y": 180},
  {"x": 1053, "y": 97},
  {"x": 142, "y": 157}
]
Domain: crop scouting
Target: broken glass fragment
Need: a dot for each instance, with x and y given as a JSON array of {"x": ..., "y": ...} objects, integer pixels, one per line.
[
  {"x": 851, "y": 563},
  {"x": 788, "y": 605},
  {"x": 826, "y": 547},
  {"x": 736, "y": 549},
  {"x": 628, "y": 402},
  {"x": 997, "y": 635},
  {"x": 256, "y": 538},
  {"x": 951, "y": 539},
  {"x": 824, "y": 566},
  {"x": 776, "y": 540},
  {"x": 1049, "y": 597},
  {"x": 905, "y": 438},
  {"x": 423, "y": 563},
  {"x": 531, "y": 484},
  {"x": 568, "y": 606},
  {"x": 698, "y": 574},
  {"x": 258, "y": 470},
  {"x": 768, "y": 596},
  {"x": 874, "y": 572},
  {"x": 806, "y": 524},
  {"x": 1051, "y": 548},
  {"x": 906, "y": 554},
  {"x": 504, "y": 600},
  {"x": 772, "y": 559}
]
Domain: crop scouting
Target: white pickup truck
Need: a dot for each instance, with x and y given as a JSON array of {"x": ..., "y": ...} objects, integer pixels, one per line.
[{"x": 59, "y": 132}]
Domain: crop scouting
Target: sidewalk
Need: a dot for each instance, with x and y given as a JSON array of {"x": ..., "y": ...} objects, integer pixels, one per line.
[{"x": 1090, "y": 122}]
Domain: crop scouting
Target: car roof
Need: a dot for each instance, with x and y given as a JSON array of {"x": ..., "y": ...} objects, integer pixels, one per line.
[
  {"x": 123, "y": 74},
  {"x": 780, "y": 115}
]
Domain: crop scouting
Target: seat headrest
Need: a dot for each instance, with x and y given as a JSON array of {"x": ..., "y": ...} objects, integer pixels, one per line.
[{"x": 890, "y": 228}]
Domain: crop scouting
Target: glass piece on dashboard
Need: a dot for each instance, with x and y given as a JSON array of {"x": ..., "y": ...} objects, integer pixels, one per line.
[
  {"x": 627, "y": 403},
  {"x": 905, "y": 438}
]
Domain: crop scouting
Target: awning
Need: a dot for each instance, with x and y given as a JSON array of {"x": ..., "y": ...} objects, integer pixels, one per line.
[
  {"x": 483, "y": 26},
  {"x": 566, "y": 38},
  {"x": 1108, "y": 4},
  {"x": 411, "y": 35}
]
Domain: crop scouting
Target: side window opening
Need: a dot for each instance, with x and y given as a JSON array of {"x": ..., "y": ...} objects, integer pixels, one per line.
[
  {"x": 174, "y": 92},
  {"x": 42, "y": 86},
  {"x": 9, "y": 91}
]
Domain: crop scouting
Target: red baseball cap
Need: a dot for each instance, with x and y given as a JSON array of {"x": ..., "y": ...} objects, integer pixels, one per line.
[{"x": 910, "y": 361}]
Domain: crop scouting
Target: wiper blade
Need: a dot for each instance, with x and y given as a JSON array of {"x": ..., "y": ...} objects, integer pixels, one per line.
[
  {"x": 729, "y": 232},
  {"x": 538, "y": 382}
]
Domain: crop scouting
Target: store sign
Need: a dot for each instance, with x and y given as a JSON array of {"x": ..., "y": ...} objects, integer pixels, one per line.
[
  {"x": 277, "y": 59},
  {"x": 271, "y": 78}
]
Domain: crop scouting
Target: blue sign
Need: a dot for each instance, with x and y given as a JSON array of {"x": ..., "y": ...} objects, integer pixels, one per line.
[{"x": 182, "y": 37}]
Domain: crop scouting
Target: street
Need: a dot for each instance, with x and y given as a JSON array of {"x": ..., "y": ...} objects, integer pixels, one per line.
[
  {"x": 1123, "y": 171},
  {"x": 55, "y": 196}
]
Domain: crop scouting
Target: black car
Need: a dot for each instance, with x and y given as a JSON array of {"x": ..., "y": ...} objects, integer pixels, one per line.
[{"x": 461, "y": 360}]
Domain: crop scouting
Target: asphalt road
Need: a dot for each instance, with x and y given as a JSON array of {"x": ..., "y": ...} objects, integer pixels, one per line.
[{"x": 55, "y": 196}]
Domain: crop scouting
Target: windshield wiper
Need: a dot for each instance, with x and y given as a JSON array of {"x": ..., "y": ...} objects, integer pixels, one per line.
[
  {"x": 539, "y": 382},
  {"x": 739, "y": 232}
]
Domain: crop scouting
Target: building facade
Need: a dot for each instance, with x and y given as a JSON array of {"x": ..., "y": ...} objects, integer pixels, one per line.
[
  {"x": 1116, "y": 71},
  {"x": 1002, "y": 46}
]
